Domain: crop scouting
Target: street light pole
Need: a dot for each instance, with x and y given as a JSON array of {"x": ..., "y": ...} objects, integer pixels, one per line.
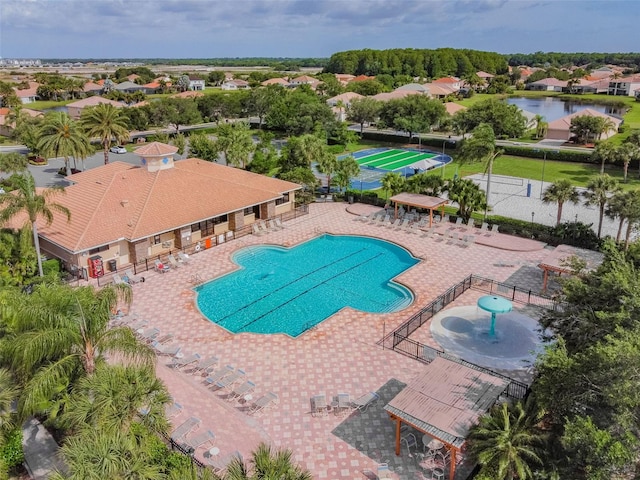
[
  {"x": 444, "y": 165},
  {"x": 544, "y": 162},
  {"x": 533, "y": 214}
]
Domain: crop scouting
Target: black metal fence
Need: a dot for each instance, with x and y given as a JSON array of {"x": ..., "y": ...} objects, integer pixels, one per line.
[
  {"x": 149, "y": 263},
  {"x": 426, "y": 354}
]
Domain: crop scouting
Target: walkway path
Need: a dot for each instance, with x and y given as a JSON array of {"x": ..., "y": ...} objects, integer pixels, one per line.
[{"x": 40, "y": 450}]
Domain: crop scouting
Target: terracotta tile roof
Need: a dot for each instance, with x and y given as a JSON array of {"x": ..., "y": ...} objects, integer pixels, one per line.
[
  {"x": 121, "y": 201},
  {"x": 452, "y": 107},
  {"x": 152, "y": 85},
  {"x": 275, "y": 81},
  {"x": 361, "y": 78},
  {"x": 346, "y": 97},
  {"x": 4, "y": 111},
  {"x": 554, "y": 82},
  {"x": 93, "y": 101},
  {"x": 383, "y": 97},
  {"x": 100, "y": 82},
  {"x": 442, "y": 89},
  {"x": 484, "y": 75},
  {"x": 564, "y": 123},
  {"x": 304, "y": 79},
  {"x": 156, "y": 149},
  {"x": 28, "y": 92},
  {"x": 446, "y": 80},
  {"x": 90, "y": 87},
  {"x": 133, "y": 76},
  {"x": 415, "y": 87}
]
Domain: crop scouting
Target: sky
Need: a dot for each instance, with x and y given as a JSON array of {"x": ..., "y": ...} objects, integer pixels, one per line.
[{"x": 308, "y": 28}]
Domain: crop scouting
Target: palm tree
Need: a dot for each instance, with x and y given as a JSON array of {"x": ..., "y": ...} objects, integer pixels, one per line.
[
  {"x": 481, "y": 147},
  {"x": 61, "y": 136},
  {"x": 504, "y": 443},
  {"x": 8, "y": 394},
  {"x": 266, "y": 464},
  {"x": 605, "y": 152},
  {"x": 627, "y": 152},
  {"x": 625, "y": 205},
  {"x": 25, "y": 199},
  {"x": 13, "y": 162},
  {"x": 61, "y": 334},
  {"x": 467, "y": 195},
  {"x": 235, "y": 141},
  {"x": 347, "y": 169},
  {"x": 327, "y": 164},
  {"x": 560, "y": 192},
  {"x": 539, "y": 119},
  {"x": 599, "y": 190},
  {"x": 105, "y": 122},
  {"x": 392, "y": 183},
  {"x": 111, "y": 399}
]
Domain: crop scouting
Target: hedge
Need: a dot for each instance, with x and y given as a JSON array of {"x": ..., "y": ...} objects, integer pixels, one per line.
[
  {"x": 393, "y": 138},
  {"x": 11, "y": 454},
  {"x": 561, "y": 155}
]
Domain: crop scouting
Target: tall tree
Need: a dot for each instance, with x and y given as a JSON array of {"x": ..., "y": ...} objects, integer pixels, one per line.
[
  {"x": 327, "y": 164},
  {"x": 302, "y": 152},
  {"x": 62, "y": 334},
  {"x": 392, "y": 183},
  {"x": 60, "y": 136},
  {"x": 504, "y": 442},
  {"x": 267, "y": 464},
  {"x": 236, "y": 142},
  {"x": 468, "y": 195},
  {"x": 560, "y": 192},
  {"x": 13, "y": 162},
  {"x": 412, "y": 114},
  {"x": 348, "y": 168},
  {"x": 605, "y": 152},
  {"x": 599, "y": 190},
  {"x": 35, "y": 205},
  {"x": 627, "y": 152},
  {"x": 481, "y": 147},
  {"x": 106, "y": 123},
  {"x": 363, "y": 110}
]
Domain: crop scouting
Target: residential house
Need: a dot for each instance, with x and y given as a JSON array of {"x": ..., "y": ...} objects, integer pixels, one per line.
[
  {"x": 547, "y": 85},
  {"x": 361, "y": 78},
  {"x": 452, "y": 82},
  {"x": 625, "y": 86},
  {"x": 75, "y": 108},
  {"x": 133, "y": 77},
  {"x": 486, "y": 77},
  {"x": 386, "y": 96},
  {"x": 440, "y": 90},
  {"x": 129, "y": 87},
  {"x": 152, "y": 87},
  {"x": 414, "y": 87},
  {"x": 344, "y": 78},
  {"x": 452, "y": 108},
  {"x": 340, "y": 104},
  {"x": 304, "y": 80},
  {"x": 7, "y": 126},
  {"x": 236, "y": 84},
  {"x": 28, "y": 95},
  {"x": 560, "y": 129},
  {"x": 196, "y": 84},
  {"x": 126, "y": 214},
  {"x": 91, "y": 88},
  {"x": 275, "y": 81}
]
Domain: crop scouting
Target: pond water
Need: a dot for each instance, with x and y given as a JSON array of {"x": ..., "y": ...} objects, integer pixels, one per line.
[
  {"x": 552, "y": 108},
  {"x": 56, "y": 109}
]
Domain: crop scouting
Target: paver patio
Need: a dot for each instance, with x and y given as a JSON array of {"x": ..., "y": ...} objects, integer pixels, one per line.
[{"x": 341, "y": 354}]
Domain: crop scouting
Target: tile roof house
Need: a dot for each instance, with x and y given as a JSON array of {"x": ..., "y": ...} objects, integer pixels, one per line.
[
  {"x": 560, "y": 129},
  {"x": 28, "y": 95},
  {"x": 344, "y": 78},
  {"x": 456, "y": 83},
  {"x": 414, "y": 87},
  {"x": 452, "y": 108},
  {"x": 304, "y": 80},
  {"x": 548, "y": 85},
  {"x": 440, "y": 90},
  {"x": 236, "y": 84},
  {"x": 7, "y": 126},
  {"x": 361, "y": 78},
  {"x": 386, "y": 96},
  {"x": 625, "y": 86},
  {"x": 484, "y": 75},
  {"x": 196, "y": 83},
  {"x": 346, "y": 98},
  {"x": 129, "y": 87},
  {"x": 275, "y": 81},
  {"x": 129, "y": 213},
  {"x": 75, "y": 108},
  {"x": 92, "y": 88}
]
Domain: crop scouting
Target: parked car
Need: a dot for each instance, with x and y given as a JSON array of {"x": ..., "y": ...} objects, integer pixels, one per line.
[{"x": 118, "y": 149}]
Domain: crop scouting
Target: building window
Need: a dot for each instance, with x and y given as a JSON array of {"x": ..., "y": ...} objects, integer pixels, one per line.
[
  {"x": 220, "y": 219},
  {"x": 283, "y": 199},
  {"x": 248, "y": 211},
  {"x": 156, "y": 240},
  {"x": 103, "y": 248}
]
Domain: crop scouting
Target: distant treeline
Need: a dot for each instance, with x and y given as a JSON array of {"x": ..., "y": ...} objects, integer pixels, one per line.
[
  {"x": 417, "y": 62},
  {"x": 284, "y": 63},
  {"x": 557, "y": 59}
]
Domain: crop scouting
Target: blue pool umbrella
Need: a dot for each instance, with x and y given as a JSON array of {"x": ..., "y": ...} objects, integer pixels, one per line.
[{"x": 494, "y": 304}]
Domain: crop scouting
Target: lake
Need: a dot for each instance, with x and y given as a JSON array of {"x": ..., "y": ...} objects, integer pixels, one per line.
[{"x": 552, "y": 108}]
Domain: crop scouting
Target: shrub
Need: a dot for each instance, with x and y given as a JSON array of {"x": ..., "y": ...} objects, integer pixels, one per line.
[
  {"x": 51, "y": 266},
  {"x": 11, "y": 454}
]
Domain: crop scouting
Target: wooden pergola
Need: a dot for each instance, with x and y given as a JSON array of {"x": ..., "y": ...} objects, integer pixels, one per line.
[
  {"x": 444, "y": 402},
  {"x": 419, "y": 201},
  {"x": 556, "y": 261}
]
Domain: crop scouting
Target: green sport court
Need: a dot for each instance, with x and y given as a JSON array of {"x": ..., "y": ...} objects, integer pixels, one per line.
[{"x": 396, "y": 159}]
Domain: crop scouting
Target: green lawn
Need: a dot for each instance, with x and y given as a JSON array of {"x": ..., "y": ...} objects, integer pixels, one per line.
[{"x": 578, "y": 173}]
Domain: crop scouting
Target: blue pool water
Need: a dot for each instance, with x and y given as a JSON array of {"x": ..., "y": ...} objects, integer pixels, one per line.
[{"x": 289, "y": 290}]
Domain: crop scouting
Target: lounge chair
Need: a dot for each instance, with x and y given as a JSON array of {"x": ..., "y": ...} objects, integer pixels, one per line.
[
  {"x": 494, "y": 229},
  {"x": 273, "y": 226},
  {"x": 179, "y": 363},
  {"x": 117, "y": 280},
  {"x": 262, "y": 225},
  {"x": 205, "y": 364},
  {"x": 484, "y": 228},
  {"x": 161, "y": 267},
  {"x": 164, "y": 339},
  {"x": 188, "y": 426},
  {"x": 428, "y": 232},
  {"x": 396, "y": 223},
  {"x": 365, "y": 401},
  {"x": 453, "y": 238},
  {"x": 470, "y": 224},
  {"x": 263, "y": 403},
  {"x": 241, "y": 390},
  {"x": 168, "y": 350},
  {"x": 375, "y": 217},
  {"x": 404, "y": 224},
  {"x": 132, "y": 278},
  {"x": 199, "y": 439},
  {"x": 279, "y": 223},
  {"x": 172, "y": 260},
  {"x": 437, "y": 218},
  {"x": 219, "y": 374},
  {"x": 149, "y": 334},
  {"x": 219, "y": 464},
  {"x": 383, "y": 471},
  {"x": 344, "y": 404},
  {"x": 137, "y": 325},
  {"x": 173, "y": 410},
  {"x": 183, "y": 257},
  {"x": 459, "y": 222},
  {"x": 256, "y": 231},
  {"x": 382, "y": 221},
  {"x": 319, "y": 406},
  {"x": 468, "y": 240},
  {"x": 228, "y": 380}
]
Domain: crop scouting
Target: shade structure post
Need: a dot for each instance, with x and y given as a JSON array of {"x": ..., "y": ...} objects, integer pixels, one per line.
[
  {"x": 452, "y": 469},
  {"x": 398, "y": 428}
]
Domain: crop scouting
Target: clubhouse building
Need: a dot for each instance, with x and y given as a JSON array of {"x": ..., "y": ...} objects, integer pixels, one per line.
[{"x": 125, "y": 214}]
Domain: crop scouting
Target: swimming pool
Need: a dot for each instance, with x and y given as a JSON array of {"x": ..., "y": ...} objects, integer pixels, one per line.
[{"x": 289, "y": 290}]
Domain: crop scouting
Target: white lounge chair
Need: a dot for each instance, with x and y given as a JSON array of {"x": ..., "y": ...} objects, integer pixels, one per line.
[
  {"x": 200, "y": 439},
  {"x": 319, "y": 406},
  {"x": 279, "y": 223},
  {"x": 149, "y": 334},
  {"x": 453, "y": 238},
  {"x": 219, "y": 375},
  {"x": 183, "y": 257},
  {"x": 172, "y": 260},
  {"x": 273, "y": 226},
  {"x": 484, "y": 228},
  {"x": 365, "y": 401},
  {"x": 117, "y": 280},
  {"x": 459, "y": 222},
  {"x": 228, "y": 380},
  {"x": 494, "y": 229},
  {"x": 173, "y": 410},
  {"x": 241, "y": 390},
  {"x": 185, "y": 429},
  {"x": 404, "y": 224},
  {"x": 132, "y": 278},
  {"x": 262, "y": 225},
  {"x": 344, "y": 404},
  {"x": 219, "y": 464},
  {"x": 179, "y": 363},
  {"x": 382, "y": 221},
  {"x": 396, "y": 223},
  {"x": 263, "y": 403},
  {"x": 205, "y": 364},
  {"x": 161, "y": 267},
  {"x": 168, "y": 350},
  {"x": 256, "y": 231},
  {"x": 470, "y": 224}
]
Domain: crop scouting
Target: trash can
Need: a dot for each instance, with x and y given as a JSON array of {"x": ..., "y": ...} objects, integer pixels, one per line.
[{"x": 113, "y": 265}]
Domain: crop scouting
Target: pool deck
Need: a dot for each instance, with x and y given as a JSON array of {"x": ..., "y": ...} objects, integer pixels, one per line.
[{"x": 341, "y": 354}]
